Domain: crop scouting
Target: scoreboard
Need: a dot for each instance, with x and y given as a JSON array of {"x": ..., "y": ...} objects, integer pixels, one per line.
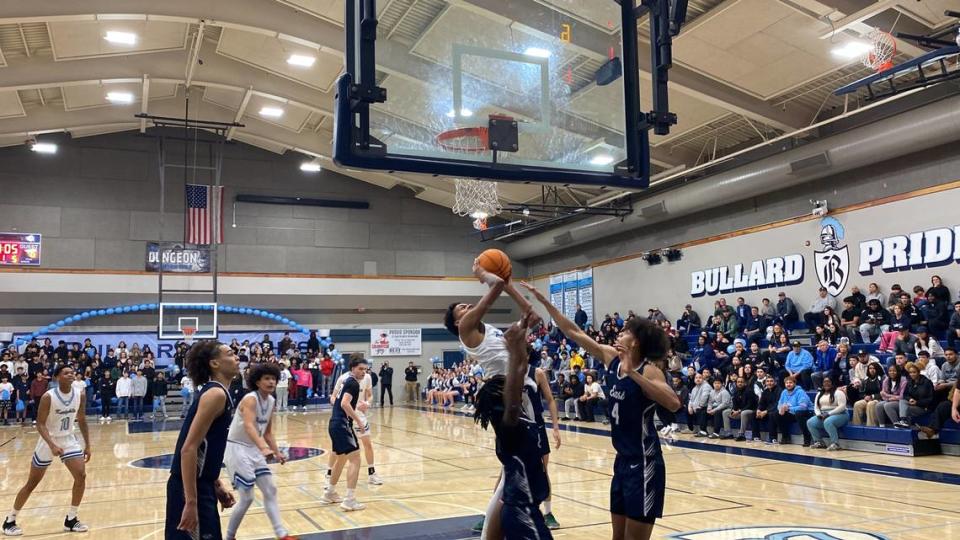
[{"x": 19, "y": 249}]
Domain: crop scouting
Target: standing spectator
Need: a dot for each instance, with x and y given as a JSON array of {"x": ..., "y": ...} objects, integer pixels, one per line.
[
  {"x": 824, "y": 364},
  {"x": 718, "y": 404},
  {"x": 743, "y": 406},
  {"x": 697, "y": 405},
  {"x": 799, "y": 364},
  {"x": 794, "y": 406},
  {"x": 304, "y": 381},
  {"x": 187, "y": 393},
  {"x": 386, "y": 382},
  {"x": 869, "y": 392},
  {"x": 287, "y": 344},
  {"x": 21, "y": 386},
  {"x": 124, "y": 391},
  {"x": 6, "y": 397},
  {"x": 283, "y": 387},
  {"x": 815, "y": 316},
  {"x": 917, "y": 399},
  {"x": 37, "y": 388},
  {"x": 580, "y": 317},
  {"x": 138, "y": 391},
  {"x": 787, "y": 313},
  {"x": 891, "y": 392},
  {"x": 159, "y": 387},
  {"x": 313, "y": 344},
  {"x": 830, "y": 414},
  {"x": 410, "y": 383},
  {"x": 107, "y": 388},
  {"x": 592, "y": 395},
  {"x": 767, "y": 404},
  {"x": 327, "y": 367},
  {"x": 316, "y": 375}
]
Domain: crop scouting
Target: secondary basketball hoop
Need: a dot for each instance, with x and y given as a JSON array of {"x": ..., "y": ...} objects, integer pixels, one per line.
[{"x": 883, "y": 47}]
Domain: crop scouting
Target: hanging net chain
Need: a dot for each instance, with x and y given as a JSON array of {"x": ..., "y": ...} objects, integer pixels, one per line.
[{"x": 883, "y": 48}]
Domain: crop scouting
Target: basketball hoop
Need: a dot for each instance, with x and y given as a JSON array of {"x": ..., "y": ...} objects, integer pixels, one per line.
[
  {"x": 468, "y": 140},
  {"x": 480, "y": 224},
  {"x": 477, "y": 199},
  {"x": 188, "y": 332},
  {"x": 883, "y": 47}
]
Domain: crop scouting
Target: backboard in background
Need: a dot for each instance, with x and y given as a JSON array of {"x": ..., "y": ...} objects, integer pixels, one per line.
[
  {"x": 199, "y": 316},
  {"x": 544, "y": 86}
]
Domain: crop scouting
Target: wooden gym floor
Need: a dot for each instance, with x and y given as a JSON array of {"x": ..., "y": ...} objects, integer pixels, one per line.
[{"x": 440, "y": 468}]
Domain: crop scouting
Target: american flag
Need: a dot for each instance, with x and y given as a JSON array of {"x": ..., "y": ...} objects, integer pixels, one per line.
[{"x": 203, "y": 203}]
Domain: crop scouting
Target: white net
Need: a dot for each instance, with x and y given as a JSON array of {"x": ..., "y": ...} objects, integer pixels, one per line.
[
  {"x": 476, "y": 198},
  {"x": 883, "y": 48}
]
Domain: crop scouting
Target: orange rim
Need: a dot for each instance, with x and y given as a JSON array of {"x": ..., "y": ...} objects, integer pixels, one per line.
[{"x": 446, "y": 139}]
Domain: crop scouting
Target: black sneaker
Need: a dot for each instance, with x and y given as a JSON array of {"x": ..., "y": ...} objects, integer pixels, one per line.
[
  {"x": 740, "y": 438},
  {"x": 10, "y": 528},
  {"x": 74, "y": 525}
]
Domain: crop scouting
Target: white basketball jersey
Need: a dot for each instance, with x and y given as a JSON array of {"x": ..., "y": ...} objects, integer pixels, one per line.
[
  {"x": 63, "y": 411},
  {"x": 491, "y": 353},
  {"x": 365, "y": 384},
  {"x": 264, "y": 410}
]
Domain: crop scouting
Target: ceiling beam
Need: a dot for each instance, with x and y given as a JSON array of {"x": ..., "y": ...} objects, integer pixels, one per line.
[
  {"x": 854, "y": 19},
  {"x": 144, "y": 101},
  {"x": 194, "y": 56},
  {"x": 240, "y": 112}
]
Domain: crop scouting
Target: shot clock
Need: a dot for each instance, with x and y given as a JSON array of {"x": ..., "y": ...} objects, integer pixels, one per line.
[{"x": 19, "y": 249}]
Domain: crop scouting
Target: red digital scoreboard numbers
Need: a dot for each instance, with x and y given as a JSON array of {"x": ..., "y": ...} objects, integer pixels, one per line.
[{"x": 19, "y": 249}]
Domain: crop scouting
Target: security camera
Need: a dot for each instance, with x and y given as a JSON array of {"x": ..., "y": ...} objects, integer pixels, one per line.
[{"x": 819, "y": 208}]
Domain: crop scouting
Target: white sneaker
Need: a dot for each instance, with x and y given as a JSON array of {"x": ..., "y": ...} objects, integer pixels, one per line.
[
  {"x": 351, "y": 505},
  {"x": 10, "y": 528},
  {"x": 74, "y": 525},
  {"x": 330, "y": 496},
  {"x": 375, "y": 480}
]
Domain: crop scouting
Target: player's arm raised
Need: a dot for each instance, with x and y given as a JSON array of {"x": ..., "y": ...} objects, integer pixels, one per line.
[
  {"x": 605, "y": 353},
  {"x": 208, "y": 409},
  {"x": 82, "y": 422},
  {"x": 544, "y": 385},
  {"x": 43, "y": 411},
  {"x": 471, "y": 319},
  {"x": 515, "y": 337}
]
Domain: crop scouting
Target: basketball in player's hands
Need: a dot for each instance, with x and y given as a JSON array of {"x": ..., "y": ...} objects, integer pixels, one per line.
[{"x": 496, "y": 262}]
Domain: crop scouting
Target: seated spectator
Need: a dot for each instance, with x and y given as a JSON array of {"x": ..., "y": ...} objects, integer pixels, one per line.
[
  {"x": 844, "y": 364},
  {"x": 906, "y": 343},
  {"x": 754, "y": 355},
  {"x": 824, "y": 364},
  {"x": 873, "y": 292},
  {"x": 767, "y": 405},
  {"x": 655, "y": 315},
  {"x": 683, "y": 393},
  {"x": 721, "y": 308},
  {"x": 935, "y": 315},
  {"x": 928, "y": 343},
  {"x": 743, "y": 406},
  {"x": 768, "y": 312},
  {"x": 794, "y": 406},
  {"x": 777, "y": 357},
  {"x": 850, "y": 319},
  {"x": 786, "y": 310},
  {"x": 891, "y": 392},
  {"x": 894, "y": 297},
  {"x": 949, "y": 370},
  {"x": 928, "y": 367},
  {"x": 873, "y": 321},
  {"x": 689, "y": 322},
  {"x": 859, "y": 300},
  {"x": 592, "y": 395},
  {"x": 743, "y": 311},
  {"x": 917, "y": 399},
  {"x": 953, "y": 329},
  {"x": 869, "y": 390},
  {"x": 572, "y": 391},
  {"x": 697, "y": 405},
  {"x": 909, "y": 308},
  {"x": 799, "y": 364},
  {"x": 919, "y": 296},
  {"x": 753, "y": 326},
  {"x": 945, "y": 410},
  {"x": 718, "y": 403},
  {"x": 829, "y": 415},
  {"x": 816, "y": 314}
]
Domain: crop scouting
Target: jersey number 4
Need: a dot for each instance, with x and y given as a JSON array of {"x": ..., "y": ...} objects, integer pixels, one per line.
[{"x": 615, "y": 414}]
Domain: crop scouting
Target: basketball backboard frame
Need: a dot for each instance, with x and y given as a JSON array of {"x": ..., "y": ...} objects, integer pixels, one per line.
[
  {"x": 173, "y": 316},
  {"x": 356, "y": 145}
]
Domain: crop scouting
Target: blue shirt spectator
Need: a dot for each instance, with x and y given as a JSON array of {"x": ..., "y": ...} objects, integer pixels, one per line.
[
  {"x": 796, "y": 399},
  {"x": 743, "y": 312},
  {"x": 798, "y": 359},
  {"x": 824, "y": 357}
]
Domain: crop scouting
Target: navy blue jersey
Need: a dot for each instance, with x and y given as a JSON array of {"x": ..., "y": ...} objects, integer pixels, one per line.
[
  {"x": 536, "y": 397},
  {"x": 631, "y": 416},
  {"x": 352, "y": 386},
  {"x": 210, "y": 453},
  {"x": 518, "y": 449}
]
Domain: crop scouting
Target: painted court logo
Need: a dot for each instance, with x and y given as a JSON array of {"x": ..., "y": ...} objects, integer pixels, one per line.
[
  {"x": 833, "y": 263},
  {"x": 778, "y": 533}
]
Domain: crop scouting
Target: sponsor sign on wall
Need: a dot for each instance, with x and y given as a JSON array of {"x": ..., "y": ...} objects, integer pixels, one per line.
[{"x": 395, "y": 342}]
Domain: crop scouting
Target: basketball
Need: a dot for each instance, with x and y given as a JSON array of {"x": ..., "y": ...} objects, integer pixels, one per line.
[{"x": 496, "y": 262}]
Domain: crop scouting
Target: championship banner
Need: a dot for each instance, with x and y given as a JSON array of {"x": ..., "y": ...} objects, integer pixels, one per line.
[
  {"x": 585, "y": 292},
  {"x": 395, "y": 342},
  {"x": 570, "y": 295},
  {"x": 185, "y": 260},
  {"x": 556, "y": 291}
]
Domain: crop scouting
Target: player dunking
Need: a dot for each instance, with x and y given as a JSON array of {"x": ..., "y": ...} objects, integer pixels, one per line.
[
  {"x": 194, "y": 487},
  {"x": 485, "y": 343},
  {"x": 639, "y": 473},
  {"x": 344, "y": 439},
  {"x": 525, "y": 485},
  {"x": 60, "y": 408},
  {"x": 366, "y": 395},
  {"x": 250, "y": 442}
]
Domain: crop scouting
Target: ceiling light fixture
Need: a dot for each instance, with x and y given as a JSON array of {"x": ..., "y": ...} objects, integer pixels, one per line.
[
  {"x": 537, "y": 52},
  {"x": 310, "y": 166},
  {"x": 121, "y": 38},
  {"x": 301, "y": 60},
  {"x": 602, "y": 159},
  {"x": 120, "y": 97},
  {"x": 44, "y": 148},
  {"x": 851, "y": 49},
  {"x": 271, "y": 112},
  {"x": 465, "y": 113}
]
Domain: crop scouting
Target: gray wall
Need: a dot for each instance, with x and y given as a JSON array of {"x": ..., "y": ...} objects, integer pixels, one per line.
[
  {"x": 920, "y": 170},
  {"x": 97, "y": 204}
]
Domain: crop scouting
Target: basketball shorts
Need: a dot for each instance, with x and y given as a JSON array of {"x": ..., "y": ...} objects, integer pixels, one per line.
[
  {"x": 637, "y": 491},
  {"x": 543, "y": 442},
  {"x": 523, "y": 523},
  {"x": 72, "y": 449},
  {"x": 342, "y": 437},
  {"x": 365, "y": 432},
  {"x": 244, "y": 465},
  {"x": 208, "y": 527},
  {"x": 5, "y": 405}
]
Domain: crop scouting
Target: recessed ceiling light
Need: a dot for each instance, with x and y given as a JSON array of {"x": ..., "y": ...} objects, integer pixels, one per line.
[
  {"x": 121, "y": 38},
  {"x": 465, "y": 113},
  {"x": 852, "y": 49},
  {"x": 538, "y": 52},
  {"x": 602, "y": 159},
  {"x": 310, "y": 166},
  {"x": 271, "y": 112},
  {"x": 44, "y": 148},
  {"x": 119, "y": 97},
  {"x": 301, "y": 60}
]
